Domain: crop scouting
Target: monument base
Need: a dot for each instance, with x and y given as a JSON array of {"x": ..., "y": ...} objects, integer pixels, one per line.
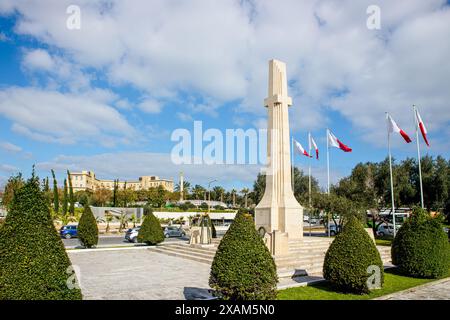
[
  {"x": 291, "y": 223},
  {"x": 277, "y": 242}
]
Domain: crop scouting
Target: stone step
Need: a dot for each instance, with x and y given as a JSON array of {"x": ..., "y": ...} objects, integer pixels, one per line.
[
  {"x": 308, "y": 248},
  {"x": 181, "y": 255},
  {"x": 302, "y": 266},
  {"x": 189, "y": 252},
  {"x": 193, "y": 249},
  {"x": 300, "y": 257}
]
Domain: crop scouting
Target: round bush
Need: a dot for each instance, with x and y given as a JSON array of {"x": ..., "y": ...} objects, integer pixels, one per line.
[
  {"x": 33, "y": 262},
  {"x": 420, "y": 248},
  {"x": 243, "y": 268},
  {"x": 151, "y": 232},
  {"x": 348, "y": 258},
  {"x": 87, "y": 229}
]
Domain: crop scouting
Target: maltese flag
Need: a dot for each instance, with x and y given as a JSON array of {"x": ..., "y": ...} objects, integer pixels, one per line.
[
  {"x": 312, "y": 143},
  {"x": 422, "y": 127},
  {"x": 334, "y": 142},
  {"x": 393, "y": 127},
  {"x": 300, "y": 149}
]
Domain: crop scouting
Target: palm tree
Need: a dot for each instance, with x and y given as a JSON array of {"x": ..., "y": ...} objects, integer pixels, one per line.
[
  {"x": 186, "y": 187},
  {"x": 198, "y": 191},
  {"x": 108, "y": 218},
  {"x": 218, "y": 193},
  {"x": 245, "y": 192},
  {"x": 123, "y": 219}
]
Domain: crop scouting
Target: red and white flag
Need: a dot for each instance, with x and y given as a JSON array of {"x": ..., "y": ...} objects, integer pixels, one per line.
[
  {"x": 312, "y": 143},
  {"x": 393, "y": 127},
  {"x": 334, "y": 142},
  {"x": 300, "y": 149},
  {"x": 422, "y": 127}
]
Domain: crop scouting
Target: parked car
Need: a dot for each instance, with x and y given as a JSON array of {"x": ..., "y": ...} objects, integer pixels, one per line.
[
  {"x": 386, "y": 230},
  {"x": 333, "y": 230},
  {"x": 131, "y": 234},
  {"x": 69, "y": 231},
  {"x": 172, "y": 231}
]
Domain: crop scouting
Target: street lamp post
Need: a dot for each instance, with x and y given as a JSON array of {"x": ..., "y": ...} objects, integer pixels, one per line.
[{"x": 209, "y": 194}]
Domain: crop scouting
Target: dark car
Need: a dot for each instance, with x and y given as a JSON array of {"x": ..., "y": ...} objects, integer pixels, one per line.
[
  {"x": 69, "y": 231},
  {"x": 171, "y": 231}
]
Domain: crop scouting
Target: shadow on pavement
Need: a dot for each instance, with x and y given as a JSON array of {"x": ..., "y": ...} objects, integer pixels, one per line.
[{"x": 192, "y": 293}]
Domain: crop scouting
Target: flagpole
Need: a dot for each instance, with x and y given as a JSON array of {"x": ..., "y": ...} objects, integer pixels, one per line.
[
  {"x": 392, "y": 183},
  {"x": 328, "y": 164},
  {"x": 309, "y": 152},
  {"x": 309, "y": 185},
  {"x": 328, "y": 180},
  {"x": 418, "y": 156},
  {"x": 292, "y": 165}
]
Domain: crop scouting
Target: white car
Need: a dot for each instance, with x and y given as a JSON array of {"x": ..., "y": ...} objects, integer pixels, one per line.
[
  {"x": 131, "y": 234},
  {"x": 387, "y": 230}
]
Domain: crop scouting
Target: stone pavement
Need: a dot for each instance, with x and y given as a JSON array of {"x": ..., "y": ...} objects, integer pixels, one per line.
[
  {"x": 132, "y": 274},
  {"x": 436, "y": 290}
]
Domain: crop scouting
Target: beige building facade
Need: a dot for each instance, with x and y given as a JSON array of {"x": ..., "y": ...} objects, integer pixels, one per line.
[{"x": 86, "y": 181}]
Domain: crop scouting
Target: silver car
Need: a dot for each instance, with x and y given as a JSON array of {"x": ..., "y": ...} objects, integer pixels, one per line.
[
  {"x": 172, "y": 231},
  {"x": 387, "y": 230}
]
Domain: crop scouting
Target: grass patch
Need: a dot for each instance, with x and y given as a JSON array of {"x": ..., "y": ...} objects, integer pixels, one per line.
[
  {"x": 393, "y": 282},
  {"x": 383, "y": 242}
]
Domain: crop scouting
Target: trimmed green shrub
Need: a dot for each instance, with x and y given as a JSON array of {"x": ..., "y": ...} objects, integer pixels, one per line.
[
  {"x": 87, "y": 229},
  {"x": 151, "y": 232},
  {"x": 33, "y": 262},
  {"x": 348, "y": 258},
  {"x": 421, "y": 248},
  {"x": 243, "y": 268}
]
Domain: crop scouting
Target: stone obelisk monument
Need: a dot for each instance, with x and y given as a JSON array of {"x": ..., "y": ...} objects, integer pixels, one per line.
[{"x": 278, "y": 216}]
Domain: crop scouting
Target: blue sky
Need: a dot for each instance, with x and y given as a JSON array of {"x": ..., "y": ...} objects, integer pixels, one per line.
[{"x": 106, "y": 97}]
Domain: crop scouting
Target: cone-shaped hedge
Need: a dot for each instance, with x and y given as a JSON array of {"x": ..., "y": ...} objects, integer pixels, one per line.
[
  {"x": 33, "y": 261},
  {"x": 151, "y": 232},
  {"x": 87, "y": 228},
  {"x": 243, "y": 268},
  {"x": 348, "y": 258},
  {"x": 421, "y": 248}
]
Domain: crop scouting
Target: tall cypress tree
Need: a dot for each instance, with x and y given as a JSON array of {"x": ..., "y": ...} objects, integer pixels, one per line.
[
  {"x": 34, "y": 263},
  {"x": 116, "y": 186},
  {"x": 46, "y": 189},
  {"x": 125, "y": 195},
  {"x": 71, "y": 197},
  {"x": 65, "y": 199},
  {"x": 55, "y": 193}
]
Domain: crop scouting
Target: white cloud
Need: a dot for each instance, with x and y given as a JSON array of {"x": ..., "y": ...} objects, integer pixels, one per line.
[
  {"x": 185, "y": 117},
  {"x": 8, "y": 146},
  {"x": 219, "y": 51},
  {"x": 8, "y": 168},
  {"x": 38, "y": 59},
  {"x": 150, "y": 106},
  {"x": 52, "y": 116}
]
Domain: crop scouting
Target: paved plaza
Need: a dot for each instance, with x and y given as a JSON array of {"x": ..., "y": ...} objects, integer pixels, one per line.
[
  {"x": 133, "y": 274},
  {"x": 438, "y": 290}
]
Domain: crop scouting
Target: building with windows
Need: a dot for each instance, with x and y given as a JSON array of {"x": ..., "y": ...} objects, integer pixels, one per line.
[{"x": 86, "y": 181}]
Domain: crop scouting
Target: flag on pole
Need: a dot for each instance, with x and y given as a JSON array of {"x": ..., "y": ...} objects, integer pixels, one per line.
[
  {"x": 393, "y": 127},
  {"x": 313, "y": 143},
  {"x": 422, "y": 127},
  {"x": 300, "y": 149},
  {"x": 334, "y": 142}
]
